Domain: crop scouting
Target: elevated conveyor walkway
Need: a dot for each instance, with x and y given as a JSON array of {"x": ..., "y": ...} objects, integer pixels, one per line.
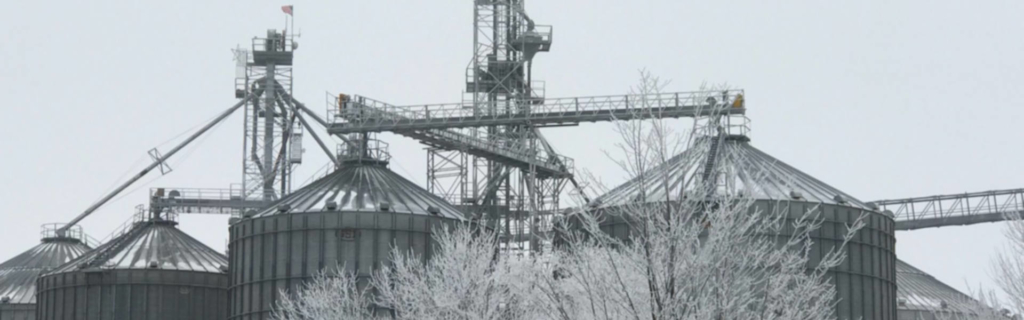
[{"x": 359, "y": 114}]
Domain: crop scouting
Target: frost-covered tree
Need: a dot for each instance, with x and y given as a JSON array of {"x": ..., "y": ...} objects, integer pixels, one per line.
[
  {"x": 1009, "y": 264},
  {"x": 462, "y": 280},
  {"x": 700, "y": 253},
  {"x": 332, "y": 294}
]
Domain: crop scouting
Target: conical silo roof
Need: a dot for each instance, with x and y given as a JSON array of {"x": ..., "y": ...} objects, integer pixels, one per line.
[
  {"x": 18, "y": 275},
  {"x": 364, "y": 187},
  {"x": 152, "y": 244},
  {"x": 742, "y": 168},
  {"x": 920, "y": 292}
]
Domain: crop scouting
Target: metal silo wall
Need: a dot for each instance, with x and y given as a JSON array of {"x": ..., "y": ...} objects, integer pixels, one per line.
[
  {"x": 133, "y": 294},
  {"x": 866, "y": 281},
  {"x": 17, "y": 311},
  {"x": 281, "y": 252}
]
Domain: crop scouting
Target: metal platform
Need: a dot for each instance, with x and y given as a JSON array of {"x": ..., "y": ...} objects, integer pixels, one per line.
[
  {"x": 211, "y": 201},
  {"x": 361, "y": 114}
]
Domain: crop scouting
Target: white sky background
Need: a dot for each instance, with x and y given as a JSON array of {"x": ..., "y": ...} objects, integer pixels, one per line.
[{"x": 881, "y": 99}]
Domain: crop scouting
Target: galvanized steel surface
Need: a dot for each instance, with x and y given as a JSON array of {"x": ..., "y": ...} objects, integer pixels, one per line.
[
  {"x": 116, "y": 294},
  {"x": 18, "y": 275},
  {"x": 153, "y": 271},
  {"x": 866, "y": 281},
  {"x": 274, "y": 251},
  {"x": 364, "y": 187},
  {"x": 749, "y": 170},
  {"x": 149, "y": 245},
  {"x": 920, "y": 291}
]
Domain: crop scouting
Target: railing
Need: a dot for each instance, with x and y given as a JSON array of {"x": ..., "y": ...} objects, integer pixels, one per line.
[
  {"x": 541, "y": 33},
  {"x": 204, "y": 200},
  {"x": 142, "y": 214},
  {"x": 495, "y": 147},
  {"x": 279, "y": 42},
  {"x": 49, "y": 230},
  {"x": 370, "y": 115},
  {"x": 955, "y": 209},
  {"x": 191, "y": 194},
  {"x": 375, "y": 150},
  {"x": 456, "y": 140}
]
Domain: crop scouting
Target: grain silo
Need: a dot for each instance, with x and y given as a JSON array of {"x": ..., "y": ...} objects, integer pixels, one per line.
[
  {"x": 352, "y": 217},
  {"x": 922, "y": 297},
  {"x": 151, "y": 270},
  {"x": 865, "y": 282},
  {"x": 18, "y": 275}
]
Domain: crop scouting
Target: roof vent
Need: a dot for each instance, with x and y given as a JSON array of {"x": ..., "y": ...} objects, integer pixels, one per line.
[
  {"x": 889, "y": 214},
  {"x": 872, "y": 206},
  {"x": 839, "y": 199},
  {"x": 433, "y": 210},
  {"x": 5, "y": 300},
  {"x": 332, "y": 205},
  {"x": 224, "y": 269},
  {"x": 83, "y": 265},
  {"x": 153, "y": 265},
  {"x": 902, "y": 302},
  {"x": 796, "y": 195},
  {"x": 173, "y": 194},
  {"x": 283, "y": 208},
  {"x": 384, "y": 206}
]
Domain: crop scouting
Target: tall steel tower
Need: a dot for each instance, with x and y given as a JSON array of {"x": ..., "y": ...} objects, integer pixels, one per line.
[
  {"x": 499, "y": 82},
  {"x": 272, "y": 143},
  {"x": 487, "y": 154}
]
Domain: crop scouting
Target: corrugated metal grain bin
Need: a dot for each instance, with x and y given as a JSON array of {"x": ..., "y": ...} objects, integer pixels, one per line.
[
  {"x": 351, "y": 218},
  {"x": 19, "y": 274},
  {"x": 922, "y": 297},
  {"x": 151, "y": 271},
  {"x": 866, "y": 281}
]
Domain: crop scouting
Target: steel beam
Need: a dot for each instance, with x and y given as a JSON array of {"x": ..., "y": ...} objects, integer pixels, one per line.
[
  {"x": 369, "y": 117},
  {"x": 158, "y": 162},
  {"x": 954, "y": 209}
]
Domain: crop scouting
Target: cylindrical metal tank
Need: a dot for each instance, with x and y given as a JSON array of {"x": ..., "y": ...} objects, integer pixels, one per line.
[
  {"x": 151, "y": 270},
  {"x": 353, "y": 217},
  {"x": 865, "y": 282},
  {"x": 18, "y": 275}
]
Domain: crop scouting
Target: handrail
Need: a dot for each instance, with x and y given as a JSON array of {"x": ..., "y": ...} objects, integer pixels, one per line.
[
  {"x": 362, "y": 114},
  {"x": 954, "y": 209}
]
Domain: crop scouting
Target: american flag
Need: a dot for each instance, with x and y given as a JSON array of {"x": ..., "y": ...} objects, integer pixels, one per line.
[{"x": 288, "y": 9}]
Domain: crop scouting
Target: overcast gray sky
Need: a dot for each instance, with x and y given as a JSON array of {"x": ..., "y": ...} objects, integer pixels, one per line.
[{"x": 882, "y": 99}]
